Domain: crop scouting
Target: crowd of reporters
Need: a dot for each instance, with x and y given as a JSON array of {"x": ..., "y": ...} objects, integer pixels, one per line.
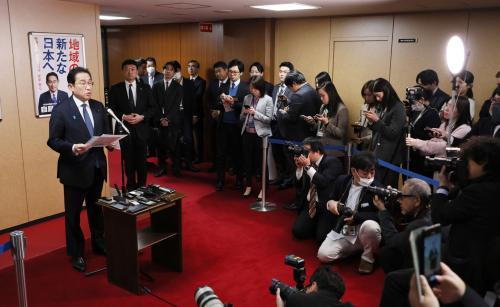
[{"x": 344, "y": 213}]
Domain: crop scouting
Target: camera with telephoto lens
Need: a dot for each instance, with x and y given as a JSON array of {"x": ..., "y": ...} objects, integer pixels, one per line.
[
  {"x": 450, "y": 161},
  {"x": 387, "y": 194},
  {"x": 414, "y": 93},
  {"x": 299, "y": 276},
  {"x": 297, "y": 150},
  {"x": 206, "y": 297}
]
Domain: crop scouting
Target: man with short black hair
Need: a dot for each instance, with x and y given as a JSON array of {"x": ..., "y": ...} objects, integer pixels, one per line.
[
  {"x": 315, "y": 174},
  {"x": 429, "y": 80},
  {"x": 228, "y": 137},
  {"x": 81, "y": 169},
  {"x": 360, "y": 231},
  {"x": 133, "y": 103},
  {"x": 153, "y": 76},
  {"x": 198, "y": 109},
  {"x": 49, "y": 99},
  {"x": 326, "y": 288}
]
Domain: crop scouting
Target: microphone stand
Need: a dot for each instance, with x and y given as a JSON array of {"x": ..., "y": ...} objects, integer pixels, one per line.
[{"x": 122, "y": 128}]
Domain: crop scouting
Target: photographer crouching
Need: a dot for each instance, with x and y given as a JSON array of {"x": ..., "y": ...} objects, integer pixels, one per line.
[
  {"x": 353, "y": 217},
  {"x": 414, "y": 203},
  {"x": 325, "y": 290}
]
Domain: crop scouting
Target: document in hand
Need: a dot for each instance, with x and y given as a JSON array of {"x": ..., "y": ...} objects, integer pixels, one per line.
[{"x": 105, "y": 140}]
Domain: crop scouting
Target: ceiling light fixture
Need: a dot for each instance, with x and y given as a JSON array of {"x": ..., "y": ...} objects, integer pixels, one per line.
[
  {"x": 108, "y": 17},
  {"x": 285, "y": 7}
]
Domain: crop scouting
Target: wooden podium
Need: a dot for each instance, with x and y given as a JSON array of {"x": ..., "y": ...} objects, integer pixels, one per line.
[{"x": 124, "y": 240}]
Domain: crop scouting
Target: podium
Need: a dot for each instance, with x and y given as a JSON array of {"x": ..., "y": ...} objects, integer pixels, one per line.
[{"x": 124, "y": 240}]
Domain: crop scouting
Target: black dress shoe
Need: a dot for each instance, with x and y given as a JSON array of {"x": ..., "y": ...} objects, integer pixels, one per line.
[
  {"x": 275, "y": 182},
  {"x": 161, "y": 172},
  {"x": 193, "y": 169},
  {"x": 99, "y": 249},
  {"x": 292, "y": 207},
  {"x": 78, "y": 264},
  {"x": 219, "y": 185}
]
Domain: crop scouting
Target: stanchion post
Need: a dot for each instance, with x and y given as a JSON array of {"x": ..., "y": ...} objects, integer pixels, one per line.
[
  {"x": 348, "y": 157},
  {"x": 18, "y": 252},
  {"x": 262, "y": 205}
]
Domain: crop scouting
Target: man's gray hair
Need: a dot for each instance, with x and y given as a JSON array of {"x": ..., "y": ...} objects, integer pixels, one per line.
[{"x": 419, "y": 188}]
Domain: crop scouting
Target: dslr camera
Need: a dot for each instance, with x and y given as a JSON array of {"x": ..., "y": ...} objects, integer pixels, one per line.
[
  {"x": 388, "y": 194},
  {"x": 206, "y": 297},
  {"x": 450, "y": 161},
  {"x": 297, "y": 150},
  {"x": 344, "y": 212},
  {"x": 299, "y": 275},
  {"x": 413, "y": 94}
]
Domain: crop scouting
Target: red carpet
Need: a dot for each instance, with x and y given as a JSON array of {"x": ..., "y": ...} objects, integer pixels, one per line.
[{"x": 232, "y": 249}]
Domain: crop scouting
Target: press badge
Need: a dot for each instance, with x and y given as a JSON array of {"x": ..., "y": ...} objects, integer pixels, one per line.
[{"x": 349, "y": 230}]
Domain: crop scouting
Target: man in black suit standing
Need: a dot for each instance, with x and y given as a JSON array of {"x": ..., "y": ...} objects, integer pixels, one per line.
[
  {"x": 80, "y": 168},
  {"x": 304, "y": 101},
  {"x": 315, "y": 174},
  {"x": 215, "y": 89},
  {"x": 228, "y": 134},
  {"x": 188, "y": 115},
  {"x": 152, "y": 76},
  {"x": 133, "y": 103},
  {"x": 281, "y": 94},
  {"x": 48, "y": 100},
  {"x": 199, "y": 92},
  {"x": 168, "y": 95},
  {"x": 429, "y": 80}
]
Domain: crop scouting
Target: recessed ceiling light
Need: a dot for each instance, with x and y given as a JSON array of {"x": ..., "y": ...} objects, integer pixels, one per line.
[
  {"x": 223, "y": 11},
  {"x": 285, "y": 7},
  {"x": 107, "y": 17}
]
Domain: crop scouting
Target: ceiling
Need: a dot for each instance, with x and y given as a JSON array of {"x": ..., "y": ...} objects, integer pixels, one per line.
[{"x": 181, "y": 11}]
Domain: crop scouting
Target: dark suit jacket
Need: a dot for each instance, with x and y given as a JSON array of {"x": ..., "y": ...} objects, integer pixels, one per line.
[
  {"x": 303, "y": 102},
  {"x": 188, "y": 98},
  {"x": 473, "y": 215},
  {"x": 242, "y": 91},
  {"x": 321, "y": 298},
  {"x": 199, "y": 93},
  {"x": 328, "y": 170},
  {"x": 169, "y": 102},
  {"x": 66, "y": 128},
  {"x": 45, "y": 100},
  {"x": 438, "y": 99},
  {"x": 144, "y": 105},
  {"x": 340, "y": 192},
  {"x": 158, "y": 78},
  {"x": 279, "y": 127},
  {"x": 269, "y": 88},
  {"x": 213, "y": 94}
]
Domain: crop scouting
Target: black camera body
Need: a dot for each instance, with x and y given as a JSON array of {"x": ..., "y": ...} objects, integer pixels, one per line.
[
  {"x": 297, "y": 150},
  {"x": 299, "y": 276},
  {"x": 387, "y": 194},
  {"x": 344, "y": 212},
  {"x": 414, "y": 93},
  {"x": 451, "y": 160}
]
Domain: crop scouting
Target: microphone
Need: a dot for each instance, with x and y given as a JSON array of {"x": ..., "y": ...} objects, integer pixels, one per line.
[{"x": 117, "y": 119}]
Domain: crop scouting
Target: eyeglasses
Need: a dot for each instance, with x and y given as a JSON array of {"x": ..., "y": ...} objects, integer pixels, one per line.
[
  {"x": 85, "y": 84},
  {"x": 234, "y": 72}
]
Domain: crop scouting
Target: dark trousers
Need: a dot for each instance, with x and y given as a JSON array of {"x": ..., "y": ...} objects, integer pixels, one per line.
[
  {"x": 187, "y": 139},
  {"x": 278, "y": 153},
  {"x": 134, "y": 154},
  {"x": 317, "y": 227},
  {"x": 73, "y": 202},
  {"x": 169, "y": 143},
  {"x": 396, "y": 288},
  {"x": 252, "y": 156},
  {"x": 198, "y": 140},
  {"x": 228, "y": 146}
]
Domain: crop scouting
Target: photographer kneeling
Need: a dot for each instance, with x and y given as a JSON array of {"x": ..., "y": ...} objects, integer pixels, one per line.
[
  {"x": 316, "y": 172},
  {"x": 326, "y": 289},
  {"x": 354, "y": 226},
  {"x": 414, "y": 201}
]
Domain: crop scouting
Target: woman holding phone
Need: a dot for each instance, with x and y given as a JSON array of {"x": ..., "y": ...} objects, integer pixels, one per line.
[{"x": 256, "y": 123}]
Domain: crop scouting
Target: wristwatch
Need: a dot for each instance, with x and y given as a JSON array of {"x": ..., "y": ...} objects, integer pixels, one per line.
[{"x": 307, "y": 167}]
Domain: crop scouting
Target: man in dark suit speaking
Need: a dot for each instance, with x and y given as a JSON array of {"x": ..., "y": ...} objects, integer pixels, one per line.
[
  {"x": 48, "y": 100},
  {"x": 80, "y": 168},
  {"x": 132, "y": 102}
]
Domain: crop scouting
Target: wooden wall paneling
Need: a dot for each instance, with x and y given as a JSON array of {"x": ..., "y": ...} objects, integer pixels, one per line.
[
  {"x": 13, "y": 204},
  {"x": 304, "y": 42},
  {"x": 432, "y": 31},
  {"x": 245, "y": 40},
  {"x": 483, "y": 41},
  {"x": 43, "y": 190}
]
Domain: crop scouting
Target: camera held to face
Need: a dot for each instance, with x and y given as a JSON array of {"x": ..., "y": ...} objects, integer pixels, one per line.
[
  {"x": 297, "y": 150},
  {"x": 299, "y": 275}
]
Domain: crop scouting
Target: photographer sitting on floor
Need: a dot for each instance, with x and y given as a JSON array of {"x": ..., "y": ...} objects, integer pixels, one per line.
[
  {"x": 414, "y": 201},
  {"x": 326, "y": 289},
  {"x": 358, "y": 230}
]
